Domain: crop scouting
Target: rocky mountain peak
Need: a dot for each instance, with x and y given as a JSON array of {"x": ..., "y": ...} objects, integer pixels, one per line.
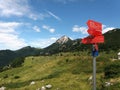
[{"x": 63, "y": 40}]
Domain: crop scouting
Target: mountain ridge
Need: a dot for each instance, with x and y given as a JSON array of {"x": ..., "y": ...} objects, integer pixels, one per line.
[{"x": 63, "y": 44}]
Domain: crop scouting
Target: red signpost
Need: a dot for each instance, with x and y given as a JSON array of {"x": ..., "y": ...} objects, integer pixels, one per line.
[
  {"x": 95, "y": 37},
  {"x": 95, "y": 32}
]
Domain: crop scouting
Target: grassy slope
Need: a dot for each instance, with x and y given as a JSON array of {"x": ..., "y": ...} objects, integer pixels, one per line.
[{"x": 67, "y": 72}]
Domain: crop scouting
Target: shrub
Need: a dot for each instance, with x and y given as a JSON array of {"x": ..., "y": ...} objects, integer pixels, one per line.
[
  {"x": 13, "y": 85},
  {"x": 55, "y": 74},
  {"x": 67, "y": 60},
  {"x": 5, "y": 76},
  {"x": 112, "y": 70},
  {"x": 17, "y": 62},
  {"x": 16, "y": 77}
]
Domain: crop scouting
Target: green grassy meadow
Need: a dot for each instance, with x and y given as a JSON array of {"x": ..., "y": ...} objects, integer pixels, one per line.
[{"x": 64, "y": 71}]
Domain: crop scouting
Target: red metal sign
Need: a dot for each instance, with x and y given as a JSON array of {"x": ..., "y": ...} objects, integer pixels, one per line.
[
  {"x": 93, "y": 40},
  {"x": 95, "y": 28},
  {"x": 95, "y": 31}
]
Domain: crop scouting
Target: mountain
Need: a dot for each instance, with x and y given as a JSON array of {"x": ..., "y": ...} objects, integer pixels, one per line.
[
  {"x": 7, "y": 56},
  {"x": 63, "y": 44},
  {"x": 59, "y": 46}
]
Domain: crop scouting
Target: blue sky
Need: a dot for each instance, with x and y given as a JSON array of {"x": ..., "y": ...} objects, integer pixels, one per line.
[{"x": 39, "y": 23}]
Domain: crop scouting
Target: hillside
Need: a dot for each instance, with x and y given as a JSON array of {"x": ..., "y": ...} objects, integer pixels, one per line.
[
  {"x": 64, "y": 71},
  {"x": 112, "y": 40}
]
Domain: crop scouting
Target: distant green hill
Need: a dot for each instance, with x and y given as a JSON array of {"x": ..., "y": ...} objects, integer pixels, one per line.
[
  {"x": 7, "y": 56},
  {"x": 27, "y": 51}
]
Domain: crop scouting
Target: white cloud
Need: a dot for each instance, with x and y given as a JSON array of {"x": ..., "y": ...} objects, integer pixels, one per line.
[
  {"x": 46, "y": 27},
  {"x": 53, "y": 38},
  {"x": 37, "y": 16},
  {"x": 53, "y": 15},
  {"x": 42, "y": 43},
  {"x": 9, "y": 38},
  {"x": 106, "y": 28},
  {"x": 83, "y": 30},
  {"x": 36, "y": 28},
  {"x": 9, "y": 24},
  {"x": 77, "y": 28},
  {"x": 14, "y": 7},
  {"x": 20, "y": 8},
  {"x": 52, "y": 30}
]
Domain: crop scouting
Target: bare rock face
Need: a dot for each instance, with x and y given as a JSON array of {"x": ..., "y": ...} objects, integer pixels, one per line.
[{"x": 63, "y": 40}]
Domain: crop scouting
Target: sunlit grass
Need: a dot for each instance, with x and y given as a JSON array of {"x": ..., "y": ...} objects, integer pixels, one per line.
[{"x": 69, "y": 71}]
